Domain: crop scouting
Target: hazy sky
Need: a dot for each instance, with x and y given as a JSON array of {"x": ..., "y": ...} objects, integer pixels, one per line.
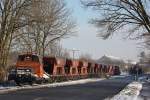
[{"x": 88, "y": 42}]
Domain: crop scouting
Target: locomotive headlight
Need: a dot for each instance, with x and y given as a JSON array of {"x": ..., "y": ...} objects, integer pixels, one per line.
[
  {"x": 28, "y": 70},
  {"x": 20, "y": 72}
]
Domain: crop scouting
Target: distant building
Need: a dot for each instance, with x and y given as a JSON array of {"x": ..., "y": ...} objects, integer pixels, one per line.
[{"x": 110, "y": 60}]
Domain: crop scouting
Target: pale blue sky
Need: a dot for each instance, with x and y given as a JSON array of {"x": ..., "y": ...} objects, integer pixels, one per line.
[{"x": 87, "y": 42}]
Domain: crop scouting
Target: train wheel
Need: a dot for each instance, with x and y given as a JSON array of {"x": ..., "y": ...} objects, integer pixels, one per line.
[
  {"x": 30, "y": 83},
  {"x": 18, "y": 83}
]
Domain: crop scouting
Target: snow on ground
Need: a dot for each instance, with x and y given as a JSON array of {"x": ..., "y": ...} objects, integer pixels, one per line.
[
  {"x": 124, "y": 73},
  {"x": 82, "y": 81},
  {"x": 130, "y": 92},
  {"x": 119, "y": 76}
]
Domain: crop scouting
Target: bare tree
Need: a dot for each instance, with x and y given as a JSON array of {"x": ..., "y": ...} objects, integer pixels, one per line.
[
  {"x": 56, "y": 49},
  {"x": 53, "y": 23},
  {"x": 12, "y": 18},
  {"x": 144, "y": 57},
  {"x": 130, "y": 15},
  {"x": 144, "y": 61}
]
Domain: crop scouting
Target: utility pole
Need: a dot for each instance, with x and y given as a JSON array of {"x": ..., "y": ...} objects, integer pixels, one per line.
[{"x": 73, "y": 52}]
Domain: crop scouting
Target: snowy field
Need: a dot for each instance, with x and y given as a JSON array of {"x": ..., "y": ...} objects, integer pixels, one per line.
[
  {"x": 82, "y": 81},
  {"x": 130, "y": 92}
]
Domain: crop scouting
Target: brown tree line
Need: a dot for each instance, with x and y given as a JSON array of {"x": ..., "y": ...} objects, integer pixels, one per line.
[{"x": 32, "y": 25}]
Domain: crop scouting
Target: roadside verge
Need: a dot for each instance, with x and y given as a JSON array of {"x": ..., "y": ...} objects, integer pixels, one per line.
[{"x": 130, "y": 92}]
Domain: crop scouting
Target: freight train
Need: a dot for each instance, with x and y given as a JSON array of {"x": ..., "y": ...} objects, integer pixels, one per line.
[{"x": 32, "y": 68}]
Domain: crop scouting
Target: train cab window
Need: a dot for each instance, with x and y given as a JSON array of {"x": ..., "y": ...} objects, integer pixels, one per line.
[
  {"x": 28, "y": 58},
  {"x": 21, "y": 57},
  {"x": 35, "y": 58}
]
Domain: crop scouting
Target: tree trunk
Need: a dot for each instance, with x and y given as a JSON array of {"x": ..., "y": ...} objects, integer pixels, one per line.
[
  {"x": 4, "y": 53},
  {"x": 3, "y": 64}
]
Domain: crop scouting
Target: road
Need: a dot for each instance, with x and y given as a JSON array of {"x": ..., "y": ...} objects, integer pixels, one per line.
[
  {"x": 145, "y": 92},
  {"x": 90, "y": 91}
]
